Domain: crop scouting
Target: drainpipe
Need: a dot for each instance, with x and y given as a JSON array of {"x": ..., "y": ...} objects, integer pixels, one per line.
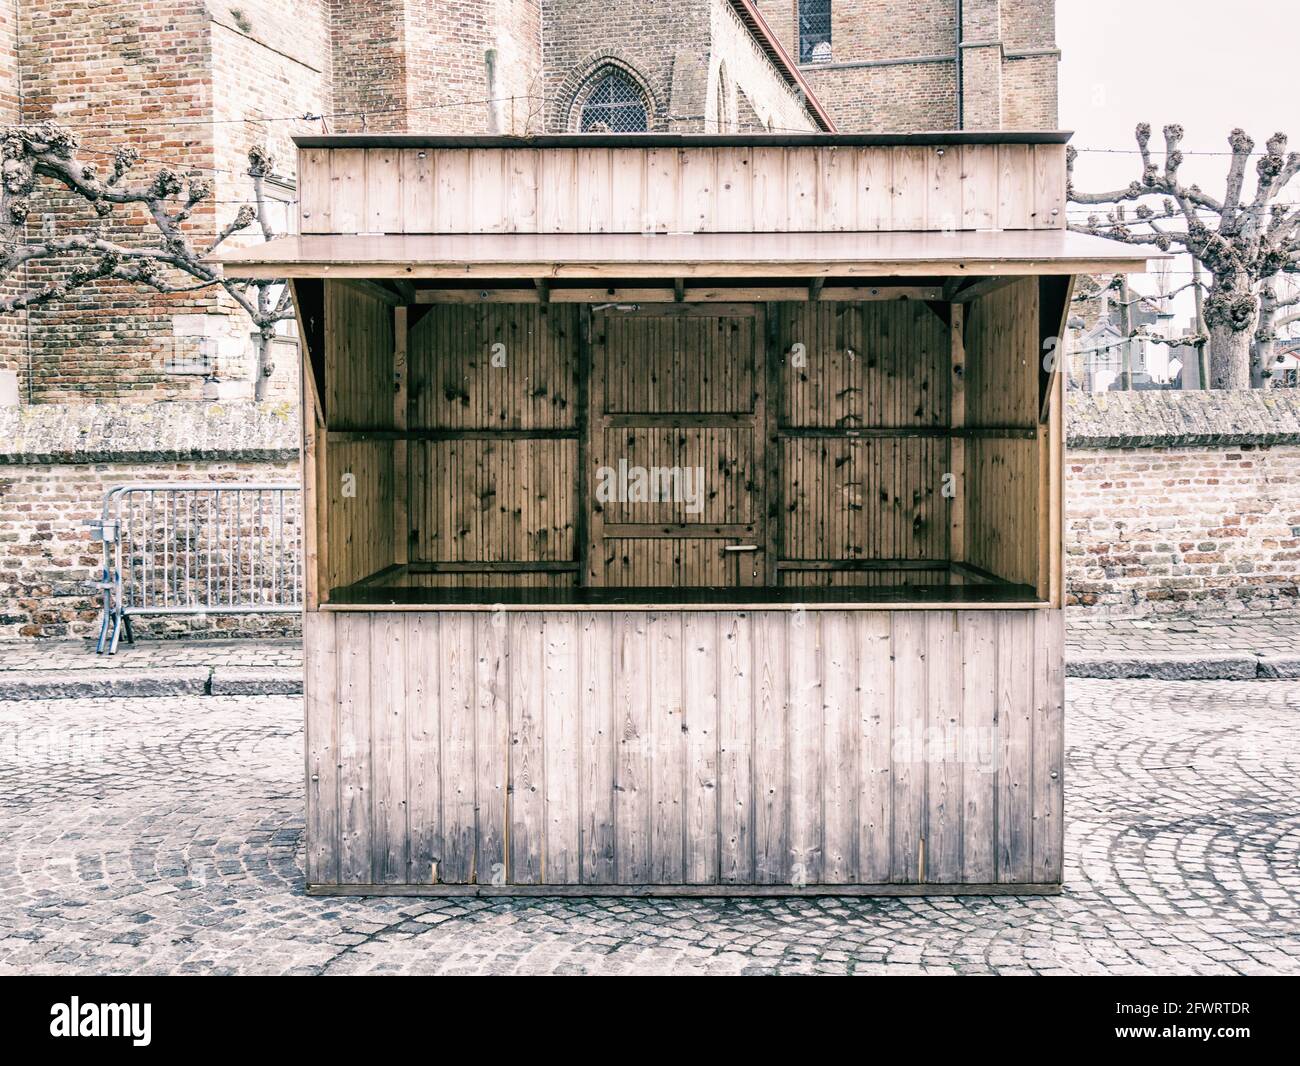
[{"x": 961, "y": 117}]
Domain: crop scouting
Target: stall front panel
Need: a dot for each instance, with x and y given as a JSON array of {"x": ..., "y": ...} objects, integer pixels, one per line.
[{"x": 686, "y": 513}]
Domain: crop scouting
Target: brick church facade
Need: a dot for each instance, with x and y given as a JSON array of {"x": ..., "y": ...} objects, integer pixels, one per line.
[{"x": 192, "y": 84}]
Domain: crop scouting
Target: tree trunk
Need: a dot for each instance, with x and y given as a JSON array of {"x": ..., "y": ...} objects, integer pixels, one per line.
[
  {"x": 261, "y": 365},
  {"x": 1229, "y": 357}
]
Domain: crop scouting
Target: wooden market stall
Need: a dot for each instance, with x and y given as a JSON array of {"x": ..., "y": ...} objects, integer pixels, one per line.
[{"x": 685, "y": 512}]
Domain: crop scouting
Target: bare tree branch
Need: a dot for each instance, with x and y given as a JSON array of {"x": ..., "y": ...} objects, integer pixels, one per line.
[
  {"x": 47, "y": 151},
  {"x": 1246, "y": 240}
]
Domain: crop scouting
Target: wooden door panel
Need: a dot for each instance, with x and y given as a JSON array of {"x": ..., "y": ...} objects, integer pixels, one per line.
[{"x": 675, "y": 446}]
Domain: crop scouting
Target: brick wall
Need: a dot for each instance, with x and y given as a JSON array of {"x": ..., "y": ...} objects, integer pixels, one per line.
[
  {"x": 1183, "y": 503},
  {"x": 56, "y": 461},
  {"x": 666, "y": 45},
  {"x": 126, "y": 66},
  {"x": 894, "y": 67},
  {"x": 756, "y": 96}
]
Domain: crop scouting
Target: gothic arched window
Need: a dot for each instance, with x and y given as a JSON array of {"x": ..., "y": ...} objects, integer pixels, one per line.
[{"x": 614, "y": 105}]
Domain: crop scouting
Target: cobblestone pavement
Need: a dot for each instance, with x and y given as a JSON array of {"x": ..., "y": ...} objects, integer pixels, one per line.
[
  {"x": 1260, "y": 636},
  {"x": 164, "y": 836}
]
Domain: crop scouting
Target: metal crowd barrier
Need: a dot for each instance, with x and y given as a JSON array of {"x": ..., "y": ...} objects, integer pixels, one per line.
[{"x": 205, "y": 548}]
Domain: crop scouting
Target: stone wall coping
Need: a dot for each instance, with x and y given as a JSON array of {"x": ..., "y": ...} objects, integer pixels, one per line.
[
  {"x": 182, "y": 430},
  {"x": 1174, "y": 419},
  {"x": 173, "y": 431}
]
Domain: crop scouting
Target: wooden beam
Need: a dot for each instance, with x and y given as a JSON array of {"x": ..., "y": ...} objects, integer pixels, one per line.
[
  {"x": 815, "y": 288},
  {"x": 373, "y": 288},
  {"x": 309, "y": 309},
  {"x": 676, "y": 292},
  {"x": 957, "y": 424},
  {"x": 543, "y": 290},
  {"x": 981, "y": 287},
  {"x": 405, "y": 289},
  {"x": 1054, "y": 294},
  {"x": 402, "y": 446}
]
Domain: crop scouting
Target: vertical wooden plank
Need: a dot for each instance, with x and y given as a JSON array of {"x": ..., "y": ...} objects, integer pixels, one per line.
[
  {"x": 527, "y": 765},
  {"x": 1049, "y": 186},
  {"x": 943, "y": 768},
  {"x": 957, "y": 445},
  {"x": 557, "y": 191},
  {"x": 661, "y": 191},
  {"x": 979, "y": 186},
  {"x": 454, "y": 192},
  {"x": 492, "y": 745},
  {"x": 875, "y": 188},
  {"x": 423, "y": 748},
  {"x": 632, "y": 787},
  {"x": 801, "y": 182},
  {"x": 599, "y": 744},
  {"x": 695, "y": 185},
  {"x": 401, "y": 447},
  {"x": 356, "y": 821},
  {"x": 561, "y": 857},
  {"x": 629, "y": 195},
  {"x": 805, "y": 740},
  {"x": 875, "y": 683},
  {"x": 1016, "y": 656},
  {"x": 733, "y": 209},
  {"x": 943, "y": 205},
  {"x": 383, "y": 191},
  {"x": 771, "y": 775},
  {"x": 488, "y": 198},
  {"x": 418, "y": 210},
  {"x": 320, "y": 686},
  {"x": 910, "y": 720},
  {"x": 595, "y": 190},
  {"x": 667, "y": 748},
  {"x": 736, "y": 780},
  {"x": 314, "y": 191},
  {"x": 837, "y": 198},
  {"x": 700, "y": 685},
  {"x": 768, "y": 190},
  {"x": 348, "y": 208},
  {"x": 388, "y": 745},
  {"x": 841, "y": 772},
  {"x": 910, "y": 189},
  {"x": 1048, "y": 769},
  {"x": 459, "y": 825},
  {"x": 522, "y": 176},
  {"x": 979, "y": 752},
  {"x": 1015, "y": 186}
]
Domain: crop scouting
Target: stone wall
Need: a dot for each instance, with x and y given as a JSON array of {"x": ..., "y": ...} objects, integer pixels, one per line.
[
  {"x": 1183, "y": 503},
  {"x": 56, "y": 461}
]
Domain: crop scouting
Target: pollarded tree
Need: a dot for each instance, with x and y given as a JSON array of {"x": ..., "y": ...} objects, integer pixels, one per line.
[
  {"x": 1243, "y": 241},
  {"x": 170, "y": 262}
]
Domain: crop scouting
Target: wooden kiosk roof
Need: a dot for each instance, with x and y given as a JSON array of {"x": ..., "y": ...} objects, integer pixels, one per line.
[{"x": 594, "y": 255}]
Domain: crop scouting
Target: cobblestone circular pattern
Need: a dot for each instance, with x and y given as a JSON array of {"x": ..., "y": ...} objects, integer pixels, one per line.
[{"x": 164, "y": 836}]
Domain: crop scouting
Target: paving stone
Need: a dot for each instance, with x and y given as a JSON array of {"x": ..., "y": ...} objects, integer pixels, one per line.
[
  {"x": 87, "y": 684},
  {"x": 255, "y": 681},
  {"x": 188, "y": 812},
  {"x": 1167, "y": 666}
]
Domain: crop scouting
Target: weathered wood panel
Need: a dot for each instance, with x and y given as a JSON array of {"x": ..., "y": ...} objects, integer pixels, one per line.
[
  {"x": 682, "y": 190},
  {"x": 767, "y": 747},
  {"x": 1002, "y": 476}
]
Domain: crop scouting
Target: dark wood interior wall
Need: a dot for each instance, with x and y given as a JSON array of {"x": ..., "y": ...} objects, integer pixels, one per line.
[
  {"x": 359, "y": 481},
  {"x": 493, "y": 479},
  {"x": 847, "y": 467},
  {"x": 1002, "y": 482},
  {"x": 859, "y": 478}
]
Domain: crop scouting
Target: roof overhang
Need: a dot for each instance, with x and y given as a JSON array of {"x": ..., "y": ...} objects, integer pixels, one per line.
[{"x": 713, "y": 255}]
